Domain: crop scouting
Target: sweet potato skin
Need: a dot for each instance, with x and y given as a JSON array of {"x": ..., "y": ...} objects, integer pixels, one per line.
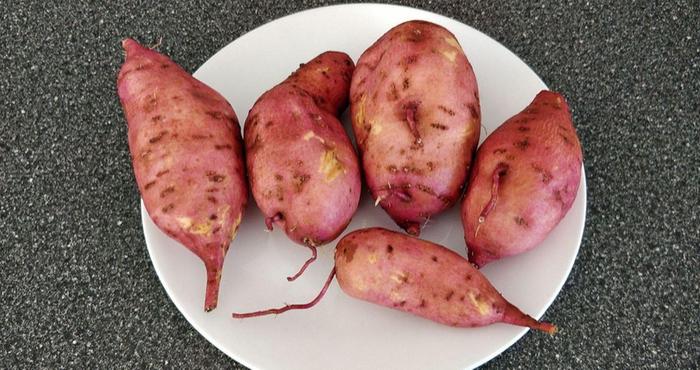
[
  {"x": 186, "y": 150},
  {"x": 416, "y": 117},
  {"x": 535, "y": 160},
  {"x": 303, "y": 170},
  {"x": 423, "y": 278}
]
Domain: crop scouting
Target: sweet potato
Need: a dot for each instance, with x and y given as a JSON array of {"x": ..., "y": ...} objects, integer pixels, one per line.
[
  {"x": 303, "y": 170},
  {"x": 419, "y": 277},
  {"x": 524, "y": 180},
  {"x": 416, "y": 117},
  {"x": 186, "y": 150}
]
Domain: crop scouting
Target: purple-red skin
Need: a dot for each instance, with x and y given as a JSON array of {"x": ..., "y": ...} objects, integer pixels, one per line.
[
  {"x": 186, "y": 151},
  {"x": 523, "y": 182},
  {"x": 416, "y": 117},
  {"x": 302, "y": 168},
  {"x": 423, "y": 278}
]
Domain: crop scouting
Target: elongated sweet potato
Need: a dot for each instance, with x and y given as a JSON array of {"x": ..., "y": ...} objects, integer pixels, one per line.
[
  {"x": 302, "y": 168},
  {"x": 415, "y": 113},
  {"x": 186, "y": 149},
  {"x": 419, "y": 277},
  {"x": 524, "y": 181}
]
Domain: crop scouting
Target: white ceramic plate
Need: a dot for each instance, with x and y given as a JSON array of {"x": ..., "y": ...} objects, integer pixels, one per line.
[{"x": 341, "y": 332}]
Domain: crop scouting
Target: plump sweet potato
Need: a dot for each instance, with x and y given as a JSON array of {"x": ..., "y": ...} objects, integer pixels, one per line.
[
  {"x": 524, "y": 180},
  {"x": 419, "y": 277},
  {"x": 303, "y": 170},
  {"x": 186, "y": 149},
  {"x": 415, "y": 113}
]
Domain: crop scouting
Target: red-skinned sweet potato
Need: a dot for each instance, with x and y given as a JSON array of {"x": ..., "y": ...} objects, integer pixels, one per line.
[
  {"x": 186, "y": 149},
  {"x": 416, "y": 276},
  {"x": 524, "y": 180},
  {"x": 416, "y": 116},
  {"x": 303, "y": 170}
]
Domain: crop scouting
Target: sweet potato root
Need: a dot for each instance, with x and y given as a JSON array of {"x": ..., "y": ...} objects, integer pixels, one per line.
[
  {"x": 416, "y": 116},
  {"x": 524, "y": 180},
  {"x": 303, "y": 170},
  {"x": 419, "y": 277},
  {"x": 186, "y": 149}
]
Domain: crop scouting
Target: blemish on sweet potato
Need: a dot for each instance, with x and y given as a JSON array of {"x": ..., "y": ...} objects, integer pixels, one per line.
[
  {"x": 168, "y": 190},
  {"x": 215, "y": 177},
  {"x": 520, "y": 221},
  {"x": 522, "y": 144},
  {"x": 214, "y": 114},
  {"x": 449, "y": 111},
  {"x": 158, "y": 137},
  {"x": 546, "y": 175},
  {"x": 299, "y": 180},
  {"x": 393, "y": 93}
]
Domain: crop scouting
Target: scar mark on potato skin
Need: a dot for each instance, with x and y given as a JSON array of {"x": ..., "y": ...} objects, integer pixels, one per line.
[
  {"x": 449, "y": 111},
  {"x": 406, "y": 83},
  {"x": 566, "y": 140},
  {"x": 423, "y": 304},
  {"x": 162, "y": 172},
  {"x": 223, "y": 147},
  {"x": 158, "y": 137},
  {"x": 522, "y": 144},
  {"x": 523, "y": 129},
  {"x": 499, "y": 151},
  {"x": 434, "y": 258},
  {"x": 215, "y": 177},
  {"x": 149, "y": 185},
  {"x": 438, "y": 126},
  {"x": 167, "y": 191},
  {"x": 520, "y": 221},
  {"x": 546, "y": 175},
  {"x": 389, "y": 248},
  {"x": 168, "y": 208},
  {"x": 449, "y": 295}
]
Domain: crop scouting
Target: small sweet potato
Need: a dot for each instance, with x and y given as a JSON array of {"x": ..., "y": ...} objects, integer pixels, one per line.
[
  {"x": 416, "y": 117},
  {"x": 186, "y": 150},
  {"x": 416, "y": 276},
  {"x": 303, "y": 170},
  {"x": 524, "y": 180}
]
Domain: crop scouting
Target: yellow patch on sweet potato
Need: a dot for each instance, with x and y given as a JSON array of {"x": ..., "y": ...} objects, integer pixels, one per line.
[
  {"x": 481, "y": 306},
  {"x": 452, "y": 42},
  {"x": 312, "y": 135},
  {"x": 360, "y": 115},
  {"x": 376, "y": 128},
  {"x": 399, "y": 277},
  {"x": 234, "y": 227},
  {"x": 450, "y": 55},
  {"x": 185, "y": 222},
  {"x": 372, "y": 258},
  {"x": 330, "y": 165}
]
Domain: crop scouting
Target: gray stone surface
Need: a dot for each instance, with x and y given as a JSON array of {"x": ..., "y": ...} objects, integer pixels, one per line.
[{"x": 78, "y": 289}]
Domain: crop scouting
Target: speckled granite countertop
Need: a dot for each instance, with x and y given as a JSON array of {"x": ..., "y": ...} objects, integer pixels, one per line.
[{"x": 78, "y": 289}]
